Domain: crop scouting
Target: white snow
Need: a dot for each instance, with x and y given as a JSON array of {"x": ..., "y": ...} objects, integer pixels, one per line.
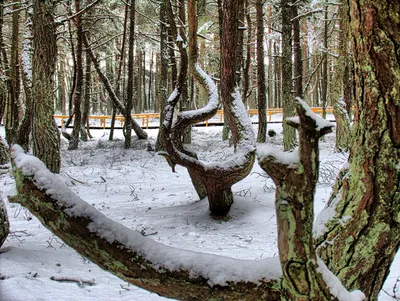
[
  {"x": 287, "y": 158},
  {"x": 320, "y": 122},
  {"x": 336, "y": 287},
  {"x": 136, "y": 188}
]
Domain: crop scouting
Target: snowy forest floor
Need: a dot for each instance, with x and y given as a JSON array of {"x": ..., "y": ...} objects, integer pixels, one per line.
[{"x": 137, "y": 188}]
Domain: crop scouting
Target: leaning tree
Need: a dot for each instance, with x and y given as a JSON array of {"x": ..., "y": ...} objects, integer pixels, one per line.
[{"x": 357, "y": 244}]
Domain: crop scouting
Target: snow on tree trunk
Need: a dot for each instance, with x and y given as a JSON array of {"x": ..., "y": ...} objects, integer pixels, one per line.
[
  {"x": 360, "y": 241},
  {"x": 295, "y": 175},
  {"x": 215, "y": 179}
]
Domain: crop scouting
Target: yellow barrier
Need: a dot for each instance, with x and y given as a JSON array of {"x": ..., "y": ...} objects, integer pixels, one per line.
[{"x": 146, "y": 116}]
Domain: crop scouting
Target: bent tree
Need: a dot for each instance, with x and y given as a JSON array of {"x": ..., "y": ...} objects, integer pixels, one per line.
[
  {"x": 357, "y": 244},
  {"x": 212, "y": 179}
]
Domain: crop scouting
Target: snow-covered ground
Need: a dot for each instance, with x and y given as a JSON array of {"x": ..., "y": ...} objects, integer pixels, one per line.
[{"x": 138, "y": 189}]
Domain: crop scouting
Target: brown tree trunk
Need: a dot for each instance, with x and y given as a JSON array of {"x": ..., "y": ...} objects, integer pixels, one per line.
[
  {"x": 163, "y": 82},
  {"x": 25, "y": 129},
  {"x": 46, "y": 138},
  {"x": 261, "y": 92},
  {"x": 364, "y": 236},
  {"x": 129, "y": 89},
  {"x": 288, "y": 104},
  {"x": 12, "y": 118},
  {"x": 74, "y": 138}
]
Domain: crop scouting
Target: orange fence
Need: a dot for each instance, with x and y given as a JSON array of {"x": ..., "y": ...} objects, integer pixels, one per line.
[{"x": 146, "y": 116}]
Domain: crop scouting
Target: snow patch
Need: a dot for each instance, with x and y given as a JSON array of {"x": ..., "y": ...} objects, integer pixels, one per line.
[
  {"x": 217, "y": 269},
  {"x": 319, "y": 121},
  {"x": 288, "y": 158},
  {"x": 335, "y": 286}
]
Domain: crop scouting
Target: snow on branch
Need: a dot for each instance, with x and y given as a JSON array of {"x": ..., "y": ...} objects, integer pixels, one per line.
[{"x": 150, "y": 255}]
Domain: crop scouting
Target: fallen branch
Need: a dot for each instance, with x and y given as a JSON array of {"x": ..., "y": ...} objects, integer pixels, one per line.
[{"x": 79, "y": 281}]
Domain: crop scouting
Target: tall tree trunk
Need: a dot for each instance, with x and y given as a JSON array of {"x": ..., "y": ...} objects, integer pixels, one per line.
[
  {"x": 324, "y": 70},
  {"x": 298, "y": 63},
  {"x": 12, "y": 120},
  {"x": 342, "y": 79},
  {"x": 46, "y": 138},
  {"x": 3, "y": 80},
  {"x": 85, "y": 131},
  {"x": 261, "y": 92},
  {"x": 288, "y": 104},
  {"x": 163, "y": 82},
  {"x": 25, "y": 129},
  {"x": 360, "y": 242},
  {"x": 74, "y": 141},
  {"x": 129, "y": 89}
]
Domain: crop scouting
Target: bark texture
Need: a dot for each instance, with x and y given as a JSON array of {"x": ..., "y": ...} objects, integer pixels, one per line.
[
  {"x": 4, "y": 223},
  {"x": 364, "y": 236},
  {"x": 295, "y": 187},
  {"x": 288, "y": 104},
  {"x": 46, "y": 138}
]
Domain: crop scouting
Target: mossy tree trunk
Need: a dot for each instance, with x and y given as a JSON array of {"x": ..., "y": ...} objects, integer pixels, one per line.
[
  {"x": 364, "y": 236},
  {"x": 46, "y": 138},
  {"x": 4, "y": 223},
  {"x": 295, "y": 187}
]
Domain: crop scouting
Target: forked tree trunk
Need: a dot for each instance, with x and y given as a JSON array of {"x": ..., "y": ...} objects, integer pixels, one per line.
[
  {"x": 360, "y": 242},
  {"x": 213, "y": 180},
  {"x": 295, "y": 179}
]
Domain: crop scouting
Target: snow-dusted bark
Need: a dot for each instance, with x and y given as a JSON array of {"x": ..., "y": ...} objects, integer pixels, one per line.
[
  {"x": 211, "y": 179},
  {"x": 363, "y": 236},
  {"x": 168, "y": 271},
  {"x": 295, "y": 174}
]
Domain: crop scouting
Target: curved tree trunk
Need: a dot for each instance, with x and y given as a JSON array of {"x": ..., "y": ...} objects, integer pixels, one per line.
[
  {"x": 213, "y": 180},
  {"x": 364, "y": 236},
  {"x": 167, "y": 271}
]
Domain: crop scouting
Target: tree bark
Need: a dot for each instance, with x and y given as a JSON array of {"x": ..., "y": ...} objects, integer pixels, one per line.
[
  {"x": 123, "y": 256},
  {"x": 46, "y": 138},
  {"x": 25, "y": 129},
  {"x": 261, "y": 89},
  {"x": 288, "y": 103},
  {"x": 294, "y": 201},
  {"x": 4, "y": 222},
  {"x": 129, "y": 89},
  {"x": 163, "y": 82},
  {"x": 74, "y": 138},
  {"x": 364, "y": 236}
]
